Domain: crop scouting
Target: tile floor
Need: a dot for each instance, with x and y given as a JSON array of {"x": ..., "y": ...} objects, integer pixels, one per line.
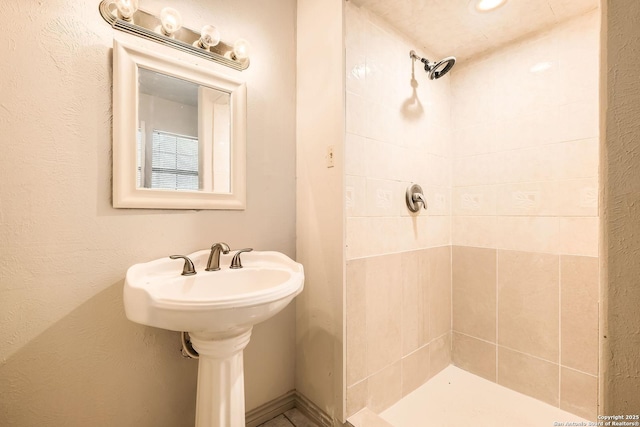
[{"x": 291, "y": 418}]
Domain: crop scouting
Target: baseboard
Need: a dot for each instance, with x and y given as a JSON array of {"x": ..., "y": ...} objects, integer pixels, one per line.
[
  {"x": 313, "y": 411},
  {"x": 280, "y": 405},
  {"x": 271, "y": 409}
]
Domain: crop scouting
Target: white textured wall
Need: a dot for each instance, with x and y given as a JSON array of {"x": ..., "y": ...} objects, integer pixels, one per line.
[
  {"x": 319, "y": 227},
  {"x": 68, "y": 355},
  {"x": 620, "y": 160}
]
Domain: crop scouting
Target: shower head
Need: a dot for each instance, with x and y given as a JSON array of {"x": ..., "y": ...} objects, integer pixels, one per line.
[{"x": 435, "y": 70}]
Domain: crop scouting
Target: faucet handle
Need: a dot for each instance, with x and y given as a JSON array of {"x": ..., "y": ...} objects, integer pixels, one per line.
[
  {"x": 235, "y": 261},
  {"x": 415, "y": 196},
  {"x": 188, "y": 269},
  {"x": 419, "y": 198}
]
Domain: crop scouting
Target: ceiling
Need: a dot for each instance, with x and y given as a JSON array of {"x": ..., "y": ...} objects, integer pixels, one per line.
[{"x": 455, "y": 28}]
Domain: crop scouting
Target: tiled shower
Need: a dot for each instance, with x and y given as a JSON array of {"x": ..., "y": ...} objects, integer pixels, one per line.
[{"x": 499, "y": 276}]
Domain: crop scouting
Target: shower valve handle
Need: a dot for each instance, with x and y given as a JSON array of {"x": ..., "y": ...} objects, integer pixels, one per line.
[{"x": 414, "y": 197}]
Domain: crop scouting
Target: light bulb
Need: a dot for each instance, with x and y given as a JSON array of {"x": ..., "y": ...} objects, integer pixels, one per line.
[
  {"x": 171, "y": 21},
  {"x": 209, "y": 36},
  {"x": 241, "y": 49},
  {"x": 126, "y": 8},
  {"x": 487, "y": 5}
]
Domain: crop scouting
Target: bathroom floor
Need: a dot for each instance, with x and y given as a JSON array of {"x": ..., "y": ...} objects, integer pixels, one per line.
[{"x": 291, "y": 418}]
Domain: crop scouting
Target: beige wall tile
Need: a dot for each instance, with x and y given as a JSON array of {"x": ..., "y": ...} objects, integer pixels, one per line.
[
  {"x": 481, "y": 169},
  {"x": 527, "y": 233},
  {"x": 415, "y": 369},
  {"x": 475, "y": 356},
  {"x": 438, "y": 261},
  {"x": 524, "y": 131},
  {"x": 415, "y": 302},
  {"x": 579, "y": 393},
  {"x": 357, "y": 396},
  {"x": 355, "y": 43},
  {"x": 579, "y": 121},
  {"x": 474, "y": 291},
  {"x": 475, "y": 200},
  {"x": 385, "y": 387},
  {"x": 356, "y": 237},
  {"x": 372, "y": 236},
  {"x": 527, "y": 199},
  {"x": 383, "y": 198},
  {"x": 355, "y": 161},
  {"x": 577, "y": 197},
  {"x": 356, "y": 321},
  {"x": 383, "y": 311},
  {"x": 577, "y": 159},
  {"x": 472, "y": 140},
  {"x": 438, "y": 170},
  {"x": 355, "y": 193},
  {"x": 356, "y": 121},
  {"x": 439, "y": 354},
  {"x": 579, "y": 236},
  {"x": 528, "y": 303},
  {"x": 424, "y": 231},
  {"x": 478, "y": 231},
  {"x": 438, "y": 231},
  {"x": 529, "y": 165},
  {"x": 528, "y": 375},
  {"x": 378, "y": 125},
  {"x": 579, "y": 313},
  {"x": 438, "y": 201},
  {"x": 379, "y": 157}
]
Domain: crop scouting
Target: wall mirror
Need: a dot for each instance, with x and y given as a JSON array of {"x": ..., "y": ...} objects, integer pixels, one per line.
[{"x": 179, "y": 133}]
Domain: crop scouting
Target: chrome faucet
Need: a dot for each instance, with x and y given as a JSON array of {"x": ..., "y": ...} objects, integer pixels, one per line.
[{"x": 214, "y": 257}]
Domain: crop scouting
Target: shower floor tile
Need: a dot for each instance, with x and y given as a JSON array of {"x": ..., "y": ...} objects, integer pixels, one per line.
[{"x": 455, "y": 398}]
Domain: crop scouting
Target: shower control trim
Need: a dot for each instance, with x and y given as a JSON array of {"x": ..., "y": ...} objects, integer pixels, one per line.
[{"x": 414, "y": 197}]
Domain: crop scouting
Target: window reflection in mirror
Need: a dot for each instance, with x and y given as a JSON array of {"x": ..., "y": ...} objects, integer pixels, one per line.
[{"x": 183, "y": 138}]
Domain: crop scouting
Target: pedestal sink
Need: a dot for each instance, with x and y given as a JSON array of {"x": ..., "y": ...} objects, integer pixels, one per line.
[{"x": 218, "y": 309}]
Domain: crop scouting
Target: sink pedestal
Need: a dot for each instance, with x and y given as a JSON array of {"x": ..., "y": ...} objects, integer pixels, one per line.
[{"x": 220, "y": 396}]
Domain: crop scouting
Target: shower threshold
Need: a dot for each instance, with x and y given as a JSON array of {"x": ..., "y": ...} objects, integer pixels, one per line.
[{"x": 455, "y": 398}]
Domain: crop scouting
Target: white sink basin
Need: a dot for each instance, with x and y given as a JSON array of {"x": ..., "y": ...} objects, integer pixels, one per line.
[
  {"x": 218, "y": 309},
  {"x": 220, "y": 302}
]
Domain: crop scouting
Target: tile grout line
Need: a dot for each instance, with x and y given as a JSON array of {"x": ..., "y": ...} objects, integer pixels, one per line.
[
  {"x": 523, "y": 353},
  {"x": 497, "y": 287},
  {"x": 559, "y": 330},
  {"x": 288, "y": 419},
  {"x": 450, "y": 297}
]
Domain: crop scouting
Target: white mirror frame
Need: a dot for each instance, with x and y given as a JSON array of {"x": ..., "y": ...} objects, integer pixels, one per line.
[{"x": 126, "y": 194}]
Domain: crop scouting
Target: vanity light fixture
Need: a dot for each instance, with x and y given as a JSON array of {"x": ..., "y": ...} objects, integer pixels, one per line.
[
  {"x": 126, "y": 9},
  {"x": 170, "y": 21},
  {"x": 209, "y": 36},
  {"x": 241, "y": 49},
  {"x": 167, "y": 29},
  {"x": 487, "y": 5}
]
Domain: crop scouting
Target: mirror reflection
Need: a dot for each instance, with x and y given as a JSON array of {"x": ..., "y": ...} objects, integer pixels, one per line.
[{"x": 183, "y": 135}]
